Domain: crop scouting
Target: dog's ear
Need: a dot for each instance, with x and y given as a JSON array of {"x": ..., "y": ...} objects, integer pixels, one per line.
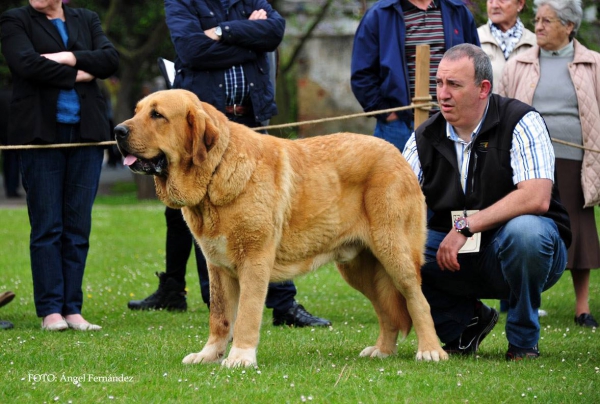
[{"x": 203, "y": 132}]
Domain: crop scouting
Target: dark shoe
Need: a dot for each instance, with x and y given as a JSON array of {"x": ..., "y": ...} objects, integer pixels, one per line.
[
  {"x": 515, "y": 353},
  {"x": 6, "y": 298},
  {"x": 481, "y": 324},
  {"x": 586, "y": 320},
  {"x": 297, "y": 316},
  {"x": 170, "y": 295},
  {"x": 5, "y": 325}
]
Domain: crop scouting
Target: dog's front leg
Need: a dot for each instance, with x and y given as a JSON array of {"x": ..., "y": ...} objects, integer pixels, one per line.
[
  {"x": 224, "y": 294},
  {"x": 254, "y": 282}
]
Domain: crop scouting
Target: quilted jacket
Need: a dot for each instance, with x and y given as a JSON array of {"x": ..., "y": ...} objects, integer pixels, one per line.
[{"x": 519, "y": 80}]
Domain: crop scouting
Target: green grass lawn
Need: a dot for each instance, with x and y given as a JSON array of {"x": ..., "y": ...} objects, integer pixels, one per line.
[{"x": 136, "y": 358}]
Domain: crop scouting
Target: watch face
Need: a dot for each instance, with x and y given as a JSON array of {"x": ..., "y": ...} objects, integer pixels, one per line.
[{"x": 460, "y": 223}]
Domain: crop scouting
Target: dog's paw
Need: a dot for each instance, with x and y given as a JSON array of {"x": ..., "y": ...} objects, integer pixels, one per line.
[
  {"x": 207, "y": 355},
  {"x": 240, "y": 358},
  {"x": 435, "y": 356},
  {"x": 373, "y": 352}
]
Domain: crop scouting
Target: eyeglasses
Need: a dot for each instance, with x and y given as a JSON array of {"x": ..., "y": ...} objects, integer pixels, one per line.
[{"x": 544, "y": 21}]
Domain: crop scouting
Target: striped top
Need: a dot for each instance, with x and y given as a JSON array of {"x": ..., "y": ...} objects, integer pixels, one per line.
[
  {"x": 236, "y": 88},
  {"x": 531, "y": 153},
  {"x": 424, "y": 27}
]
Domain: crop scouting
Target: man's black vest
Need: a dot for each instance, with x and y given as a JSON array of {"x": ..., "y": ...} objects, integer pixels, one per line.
[{"x": 490, "y": 175}]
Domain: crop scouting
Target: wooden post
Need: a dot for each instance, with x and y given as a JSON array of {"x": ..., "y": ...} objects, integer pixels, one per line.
[{"x": 422, "y": 77}]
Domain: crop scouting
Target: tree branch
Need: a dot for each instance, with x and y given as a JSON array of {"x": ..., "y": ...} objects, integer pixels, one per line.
[{"x": 305, "y": 38}]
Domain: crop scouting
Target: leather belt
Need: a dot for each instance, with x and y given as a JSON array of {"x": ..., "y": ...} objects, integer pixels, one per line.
[{"x": 237, "y": 110}]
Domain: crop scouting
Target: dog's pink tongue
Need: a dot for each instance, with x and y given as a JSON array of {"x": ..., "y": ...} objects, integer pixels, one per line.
[{"x": 129, "y": 160}]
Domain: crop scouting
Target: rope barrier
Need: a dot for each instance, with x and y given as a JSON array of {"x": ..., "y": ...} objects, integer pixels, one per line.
[{"x": 425, "y": 106}]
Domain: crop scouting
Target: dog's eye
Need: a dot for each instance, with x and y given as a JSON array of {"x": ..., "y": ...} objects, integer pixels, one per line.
[{"x": 155, "y": 115}]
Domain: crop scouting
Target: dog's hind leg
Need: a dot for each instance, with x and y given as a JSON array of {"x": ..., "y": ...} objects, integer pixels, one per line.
[
  {"x": 365, "y": 274},
  {"x": 402, "y": 262},
  {"x": 224, "y": 296}
]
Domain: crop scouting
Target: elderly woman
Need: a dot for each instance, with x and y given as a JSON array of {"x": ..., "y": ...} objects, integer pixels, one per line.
[
  {"x": 504, "y": 35},
  {"x": 572, "y": 112}
]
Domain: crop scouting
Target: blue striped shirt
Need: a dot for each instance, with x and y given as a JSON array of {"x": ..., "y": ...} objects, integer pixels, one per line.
[
  {"x": 531, "y": 153},
  {"x": 236, "y": 88}
]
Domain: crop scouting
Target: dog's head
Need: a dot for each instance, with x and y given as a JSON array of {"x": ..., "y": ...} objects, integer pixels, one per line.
[
  {"x": 170, "y": 128},
  {"x": 178, "y": 139}
]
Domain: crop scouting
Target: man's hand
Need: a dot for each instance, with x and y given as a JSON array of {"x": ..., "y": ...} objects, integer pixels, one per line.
[
  {"x": 211, "y": 34},
  {"x": 64, "y": 58},
  {"x": 258, "y": 15},
  {"x": 447, "y": 255},
  {"x": 83, "y": 76}
]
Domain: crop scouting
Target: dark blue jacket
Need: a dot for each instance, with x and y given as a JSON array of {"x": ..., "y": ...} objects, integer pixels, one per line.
[
  {"x": 379, "y": 72},
  {"x": 201, "y": 61}
]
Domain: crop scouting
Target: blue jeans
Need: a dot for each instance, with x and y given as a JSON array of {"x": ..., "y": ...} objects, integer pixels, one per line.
[
  {"x": 519, "y": 261},
  {"x": 396, "y": 132},
  {"x": 61, "y": 185}
]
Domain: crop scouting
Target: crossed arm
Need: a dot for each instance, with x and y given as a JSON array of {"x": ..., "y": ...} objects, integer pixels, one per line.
[{"x": 69, "y": 59}]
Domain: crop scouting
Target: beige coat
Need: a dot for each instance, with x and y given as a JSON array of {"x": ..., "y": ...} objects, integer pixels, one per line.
[
  {"x": 492, "y": 49},
  {"x": 519, "y": 80}
]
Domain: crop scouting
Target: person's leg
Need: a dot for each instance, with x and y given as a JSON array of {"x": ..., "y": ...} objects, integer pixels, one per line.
[
  {"x": 451, "y": 310},
  {"x": 581, "y": 284},
  {"x": 531, "y": 257},
  {"x": 10, "y": 165},
  {"x": 82, "y": 177},
  {"x": 171, "y": 294},
  {"x": 179, "y": 245},
  {"x": 280, "y": 297},
  {"x": 202, "y": 274},
  {"x": 42, "y": 172},
  {"x": 396, "y": 132}
]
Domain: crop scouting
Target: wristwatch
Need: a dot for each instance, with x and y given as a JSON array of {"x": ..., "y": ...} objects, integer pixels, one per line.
[
  {"x": 462, "y": 226},
  {"x": 218, "y": 31}
]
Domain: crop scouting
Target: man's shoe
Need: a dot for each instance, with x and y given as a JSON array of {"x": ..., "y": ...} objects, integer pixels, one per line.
[
  {"x": 6, "y": 298},
  {"x": 297, "y": 316},
  {"x": 515, "y": 353},
  {"x": 481, "y": 324},
  {"x": 586, "y": 320},
  {"x": 170, "y": 295},
  {"x": 5, "y": 325}
]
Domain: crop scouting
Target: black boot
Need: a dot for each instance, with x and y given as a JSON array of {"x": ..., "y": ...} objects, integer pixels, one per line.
[{"x": 170, "y": 295}]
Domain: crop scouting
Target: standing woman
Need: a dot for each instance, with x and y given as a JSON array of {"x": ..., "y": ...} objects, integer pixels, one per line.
[
  {"x": 572, "y": 112},
  {"x": 55, "y": 53},
  {"x": 504, "y": 35}
]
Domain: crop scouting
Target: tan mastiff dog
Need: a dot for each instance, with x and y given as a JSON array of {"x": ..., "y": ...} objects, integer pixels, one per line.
[{"x": 266, "y": 209}]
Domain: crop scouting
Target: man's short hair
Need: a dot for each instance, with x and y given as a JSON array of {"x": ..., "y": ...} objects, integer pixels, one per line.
[{"x": 481, "y": 61}]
